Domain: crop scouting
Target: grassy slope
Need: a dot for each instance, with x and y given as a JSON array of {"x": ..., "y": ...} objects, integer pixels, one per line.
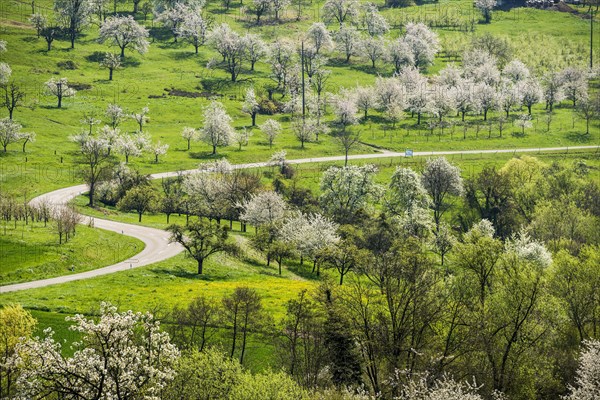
[
  {"x": 31, "y": 252},
  {"x": 169, "y": 65}
]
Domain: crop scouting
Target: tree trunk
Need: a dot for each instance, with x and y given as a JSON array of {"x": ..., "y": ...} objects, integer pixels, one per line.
[
  {"x": 110, "y": 73},
  {"x": 253, "y": 119},
  {"x": 200, "y": 262},
  {"x": 140, "y": 216},
  {"x": 122, "y": 52},
  {"x": 59, "y": 101},
  {"x": 214, "y": 149}
]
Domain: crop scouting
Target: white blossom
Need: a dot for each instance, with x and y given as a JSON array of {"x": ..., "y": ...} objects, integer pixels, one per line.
[
  {"x": 124, "y": 32},
  {"x": 264, "y": 208}
]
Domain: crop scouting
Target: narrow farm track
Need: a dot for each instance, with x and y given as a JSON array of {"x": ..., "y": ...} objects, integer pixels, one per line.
[{"x": 157, "y": 246}]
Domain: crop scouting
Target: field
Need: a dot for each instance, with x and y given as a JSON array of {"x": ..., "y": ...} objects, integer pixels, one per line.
[{"x": 177, "y": 85}]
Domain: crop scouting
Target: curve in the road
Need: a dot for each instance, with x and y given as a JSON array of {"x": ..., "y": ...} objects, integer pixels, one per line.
[{"x": 157, "y": 246}]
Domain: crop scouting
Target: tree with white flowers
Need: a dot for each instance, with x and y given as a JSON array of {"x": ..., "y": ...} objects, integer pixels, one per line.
[
  {"x": 60, "y": 89},
  {"x": 423, "y": 42},
  {"x": 256, "y": 49},
  {"x": 217, "y": 129},
  {"x": 232, "y": 48},
  {"x": 189, "y": 134},
  {"x": 95, "y": 159},
  {"x": 364, "y": 97},
  {"x": 340, "y": 10},
  {"x": 388, "y": 92},
  {"x": 251, "y": 106},
  {"x": 400, "y": 55},
  {"x": 10, "y": 132},
  {"x": 531, "y": 93},
  {"x": 318, "y": 37},
  {"x": 193, "y": 29},
  {"x": 305, "y": 130},
  {"x": 375, "y": 24},
  {"x": 158, "y": 149},
  {"x": 125, "y": 33},
  {"x": 347, "y": 41},
  {"x": 278, "y": 6},
  {"x": 485, "y": 98},
  {"x": 132, "y": 145},
  {"x": 441, "y": 180},
  {"x": 73, "y": 16},
  {"x": 345, "y": 110},
  {"x": 5, "y": 73},
  {"x": 574, "y": 84},
  {"x": 509, "y": 96},
  {"x": 372, "y": 48},
  {"x": 405, "y": 192},
  {"x": 587, "y": 383},
  {"x": 120, "y": 354},
  {"x": 516, "y": 71},
  {"x": 264, "y": 208},
  {"x": 552, "y": 85},
  {"x": 271, "y": 129},
  {"x": 141, "y": 118},
  {"x": 464, "y": 98},
  {"x": 486, "y": 7},
  {"x": 115, "y": 114},
  {"x": 347, "y": 191},
  {"x": 174, "y": 15}
]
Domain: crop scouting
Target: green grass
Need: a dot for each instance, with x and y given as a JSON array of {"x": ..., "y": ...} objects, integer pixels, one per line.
[
  {"x": 31, "y": 252},
  {"x": 50, "y": 162}
]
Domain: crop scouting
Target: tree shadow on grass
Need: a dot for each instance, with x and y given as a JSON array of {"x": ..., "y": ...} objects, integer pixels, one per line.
[
  {"x": 181, "y": 272},
  {"x": 579, "y": 138},
  {"x": 303, "y": 271}
]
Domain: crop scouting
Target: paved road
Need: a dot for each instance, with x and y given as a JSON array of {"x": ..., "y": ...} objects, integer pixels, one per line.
[{"x": 157, "y": 246}]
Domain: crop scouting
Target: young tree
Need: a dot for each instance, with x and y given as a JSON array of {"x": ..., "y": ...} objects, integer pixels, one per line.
[
  {"x": 125, "y": 33},
  {"x": 574, "y": 84},
  {"x": 141, "y": 118},
  {"x": 243, "y": 312},
  {"x": 115, "y": 115},
  {"x": 364, "y": 98},
  {"x": 251, "y": 105},
  {"x": 73, "y": 16},
  {"x": 96, "y": 160},
  {"x": 111, "y": 62},
  {"x": 340, "y": 10},
  {"x": 588, "y": 110},
  {"x": 486, "y": 7},
  {"x": 10, "y": 132},
  {"x": 305, "y": 130},
  {"x": 132, "y": 145},
  {"x": 13, "y": 98},
  {"x": 65, "y": 221},
  {"x": 96, "y": 367},
  {"x": 485, "y": 98},
  {"x": 271, "y": 129},
  {"x": 201, "y": 239},
  {"x": 158, "y": 149},
  {"x": 194, "y": 325},
  {"x": 217, "y": 129},
  {"x": 60, "y": 89},
  {"x": 27, "y": 137},
  {"x": 189, "y": 134},
  {"x": 441, "y": 179},
  {"x": 347, "y": 41},
  {"x": 140, "y": 199},
  {"x": 193, "y": 29},
  {"x": 523, "y": 121}
]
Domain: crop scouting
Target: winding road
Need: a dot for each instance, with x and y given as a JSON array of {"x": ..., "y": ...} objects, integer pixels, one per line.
[{"x": 157, "y": 246}]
